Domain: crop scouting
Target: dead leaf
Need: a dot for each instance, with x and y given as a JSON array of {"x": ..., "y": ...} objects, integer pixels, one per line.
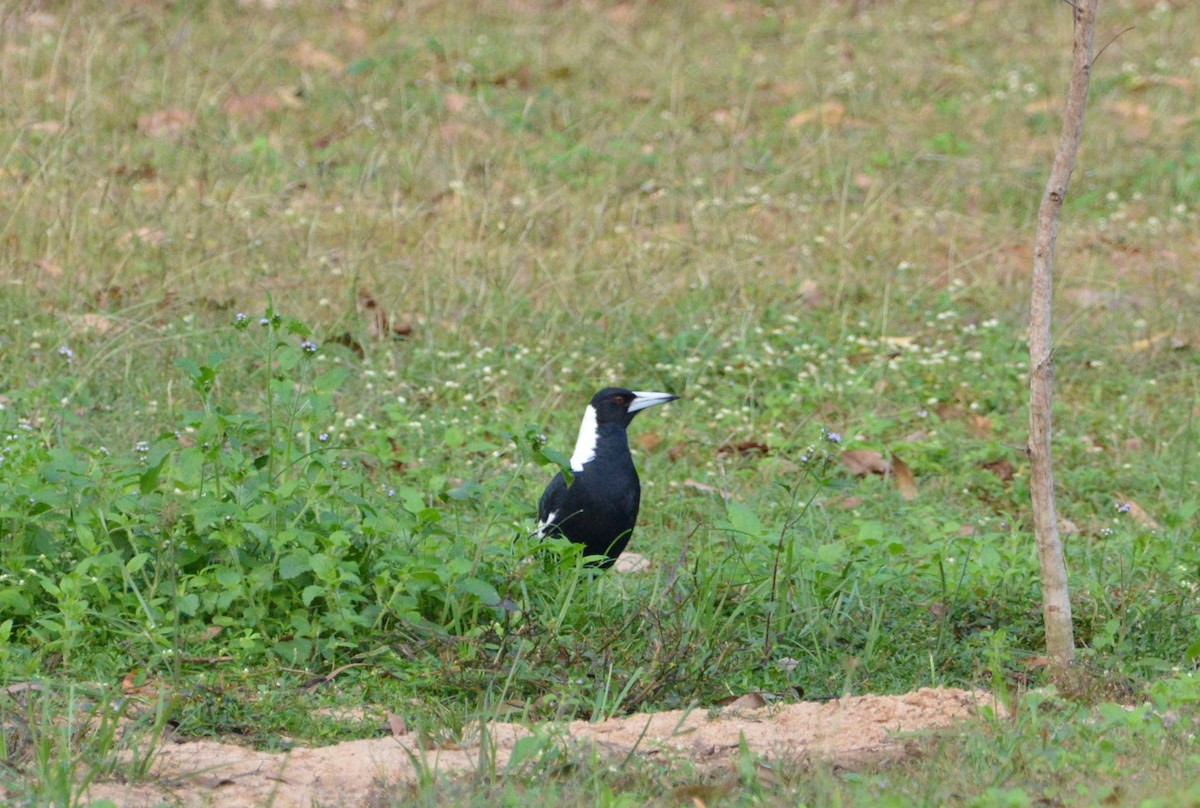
[
  {"x": 1042, "y": 105},
  {"x": 905, "y": 481},
  {"x": 810, "y": 293},
  {"x": 150, "y": 236},
  {"x": 256, "y": 104},
  {"x": 724, "y": 118},
  {"x": 1138, "y": 110},
  {"x": 95, "y": 323},
  {"x": 846, "y": 503},
  {"x": 648, "y": 441},
  {"x": 1131, "y": 444},
  {"x": 1151, "y": 341},
  {"x": 455, "y": 102},
  {"x": 677, "y": 451},
  {"x": 209, "y": 633},
  {"x": 1001, "y": 468},
  {"x": 980, "y": 425},
  {"x": 967, "y": 530},
  {"x": 704, "y": 488},
  {"x": 1136, "y": 513},
  {"x": 381, "y": 325},
  {"x": 744, "y": 447},
  {"x": 1099, "y": 298},
  {"x": 47, "y": 127},
  {"x": 829, "y": 113},
  {"x": 311, "y": 57},
  {"x": 631, "y": 562},
  {"x": 396, "y": 725},
  {"x": 165, "y": 123},
  {"x": 49, "y": 269},
  {"x": 750, "y": 701},
  {"x": 862, "y": 462}
]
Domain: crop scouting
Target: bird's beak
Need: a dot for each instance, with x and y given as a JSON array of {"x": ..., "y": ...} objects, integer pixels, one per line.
[{"x": 643, "y": 399}]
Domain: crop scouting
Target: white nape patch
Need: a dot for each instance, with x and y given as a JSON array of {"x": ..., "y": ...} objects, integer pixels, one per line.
[
  {"x": 585, "y": 444},
  {"x": 542, "y": 525}
]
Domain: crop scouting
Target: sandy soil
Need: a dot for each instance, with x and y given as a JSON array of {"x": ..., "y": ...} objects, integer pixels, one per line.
[{"x": 850, "y": 732}]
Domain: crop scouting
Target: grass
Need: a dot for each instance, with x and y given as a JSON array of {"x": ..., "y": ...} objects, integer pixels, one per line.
[{"x": 802, "y": 220}]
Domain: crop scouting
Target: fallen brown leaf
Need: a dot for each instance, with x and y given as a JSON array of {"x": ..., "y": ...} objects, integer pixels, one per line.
[
  {"x": 862, "y": 462},
  {"x": 311, "y": 57},
  {"x": 255, "y": 104},
  {"x": 455, "y": 102},
  {"x": 151, "y": 236},
  {"x": 381, "y": 325},
  {"x": 96, "y": 323},
  {"x": 980, "y": 425},
  {"x": 165, "y": 123},
  {"x": 905, "y": 481},
  {"x": 1001, "y": 468},
  {"x": 396, "y": 725},
  {"x": 829, "y": 113},
  {"x": 631, "y": 562},
  {"x": 846, "y": 503},
  {"x": 648, "y": 441},
  {"x": 810, "y": 293},
  {"x": 1155, "y": 340},
  {"x": 750, "y": 701},
  {"x": 744, "y": 447}
]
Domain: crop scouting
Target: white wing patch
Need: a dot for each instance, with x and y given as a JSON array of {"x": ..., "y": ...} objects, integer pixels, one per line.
[
  {"x": 545, "y": 523},
  {"x": 585, "y": 445}
]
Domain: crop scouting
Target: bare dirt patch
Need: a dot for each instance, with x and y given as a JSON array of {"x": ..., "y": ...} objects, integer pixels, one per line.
[{"x": 850, "y": 732}]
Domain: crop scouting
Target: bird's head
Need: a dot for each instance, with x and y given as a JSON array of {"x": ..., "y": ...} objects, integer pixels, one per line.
[{"x": 616, "y": 405}]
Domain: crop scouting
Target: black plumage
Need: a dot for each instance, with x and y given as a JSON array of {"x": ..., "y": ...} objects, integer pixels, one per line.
[{"x": 600, "y": 507}]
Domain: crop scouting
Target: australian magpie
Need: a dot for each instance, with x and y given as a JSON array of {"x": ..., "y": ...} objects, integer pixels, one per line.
[{"x": 600, "y": 506}]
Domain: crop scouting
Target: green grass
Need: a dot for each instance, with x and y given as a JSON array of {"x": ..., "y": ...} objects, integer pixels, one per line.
[{"x": 803, "y": 220}]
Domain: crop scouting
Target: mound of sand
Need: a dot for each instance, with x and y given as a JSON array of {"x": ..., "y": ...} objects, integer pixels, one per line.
[{"x": 850, "y": 732}]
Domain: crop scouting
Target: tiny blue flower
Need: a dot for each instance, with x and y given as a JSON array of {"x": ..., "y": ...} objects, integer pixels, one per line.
[
  {"x": 264, "y": 322},
  {"x": 1123, "y": 507},
  {"x": 391, "y": 492},
  {"x": 308, "y": 346},
  {"x": 833, "y": 437},
  {"x": 142, "y": 447},
  {"x": 66, "y": 353},
  {"x": 324, "y": 436}
]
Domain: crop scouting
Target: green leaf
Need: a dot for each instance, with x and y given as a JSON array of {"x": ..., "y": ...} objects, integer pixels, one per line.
[
  {"x": 136, "y": 563},
  {"x": 189, "y": 604},
  {"x": 480, "y": 589},
  {"x": 331, "y": 380},
  {"x": 311, "y": 593},
  {"x": 294, "y": 564},
  {"x": 744, "y": 520}
]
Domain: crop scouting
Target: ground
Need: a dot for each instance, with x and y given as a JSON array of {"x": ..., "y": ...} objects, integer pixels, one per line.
[{"x": 848, "y": 732}]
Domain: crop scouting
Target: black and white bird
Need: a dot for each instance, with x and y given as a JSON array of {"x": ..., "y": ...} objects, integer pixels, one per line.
[{"x": 600, "y": 506}]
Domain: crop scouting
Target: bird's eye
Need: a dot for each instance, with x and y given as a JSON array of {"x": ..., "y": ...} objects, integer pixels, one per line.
[{"x": 621, "y": 401}]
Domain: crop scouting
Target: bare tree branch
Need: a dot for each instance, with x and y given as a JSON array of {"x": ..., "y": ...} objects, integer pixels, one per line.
[{"x": 1056, "y": 600}]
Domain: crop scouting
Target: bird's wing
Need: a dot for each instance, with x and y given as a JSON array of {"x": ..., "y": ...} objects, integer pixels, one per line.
[{"x": 551, "y": 503}]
